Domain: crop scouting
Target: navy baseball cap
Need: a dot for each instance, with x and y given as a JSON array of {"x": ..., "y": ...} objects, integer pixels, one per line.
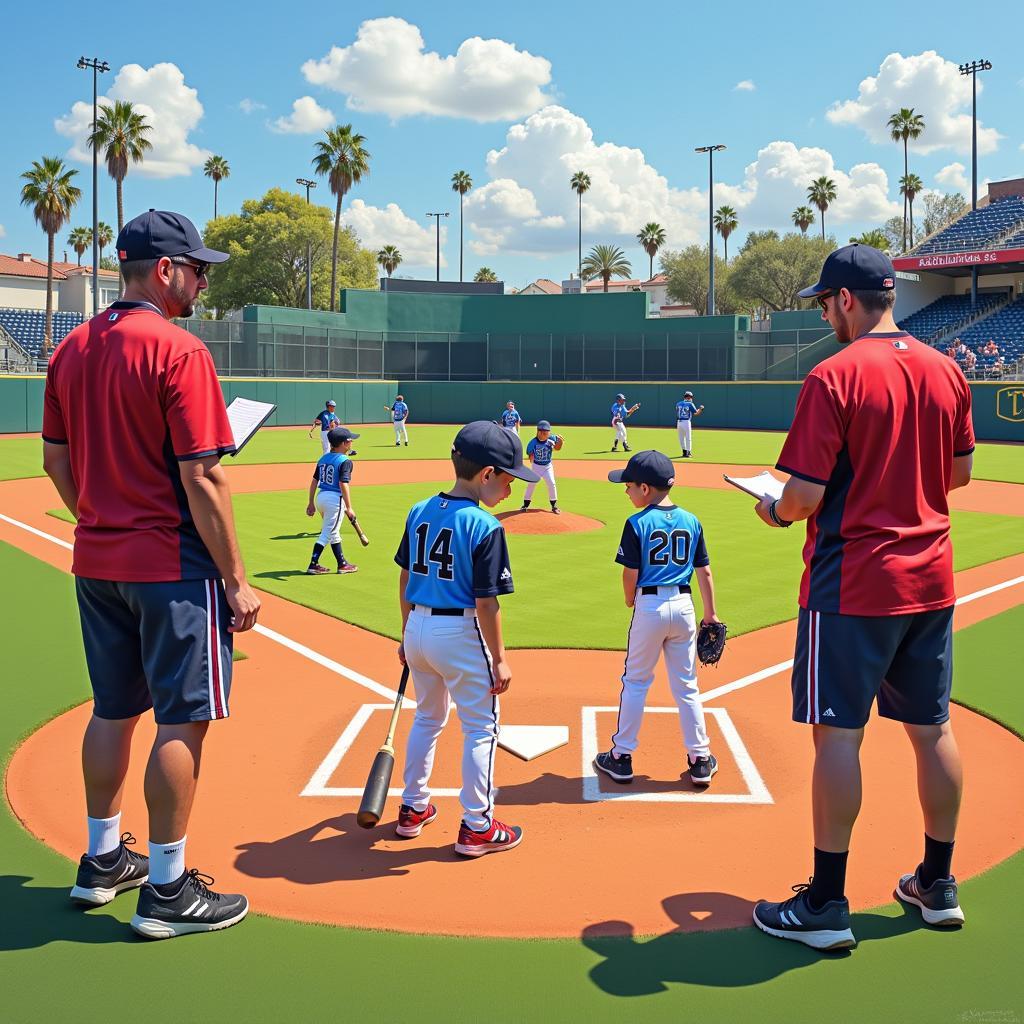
[
  {"x": 854, "y": 267},
  {"x": 620, "y": 398},
  {"x": 331, "y": 401},
  {"x": 648, "y": 467},
  {"x": 159, "y": 233},
  {"x": 338, "y": 434},
  {"x": 543, "y": 425},
  {"x": 487, "y": 444}
]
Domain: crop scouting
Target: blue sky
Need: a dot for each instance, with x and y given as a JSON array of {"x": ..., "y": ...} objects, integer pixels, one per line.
[{"x": 520, "y": 97}]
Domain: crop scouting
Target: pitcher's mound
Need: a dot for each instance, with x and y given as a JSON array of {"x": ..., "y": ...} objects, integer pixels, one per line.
[{"x": 543, "y": 520}]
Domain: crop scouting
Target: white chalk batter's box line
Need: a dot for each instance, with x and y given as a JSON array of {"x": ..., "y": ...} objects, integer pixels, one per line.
[{"x": 757, "y": 791}]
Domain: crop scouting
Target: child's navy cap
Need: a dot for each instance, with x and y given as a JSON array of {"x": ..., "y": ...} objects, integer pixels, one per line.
[
  {"x": 338, "y": 434},
  {"x": 487, "y": 444},
  {"x": 856, "y": 267},
  {"x": 330, "y": 402},
  {"x": 543, "y": 425},
  {"x": 159, "y": 233},
  {"x": 648, "y": 467}
]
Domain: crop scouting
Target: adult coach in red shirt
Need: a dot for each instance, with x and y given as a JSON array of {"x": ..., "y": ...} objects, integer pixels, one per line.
[
  {"x": 882, "y": 432},
  {"x": 134, "y": 427}
]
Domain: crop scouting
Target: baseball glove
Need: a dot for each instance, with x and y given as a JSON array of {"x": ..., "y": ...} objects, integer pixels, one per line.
[
  {"x": 711, "y": 642},
  {"x": 629, "y": 412}
]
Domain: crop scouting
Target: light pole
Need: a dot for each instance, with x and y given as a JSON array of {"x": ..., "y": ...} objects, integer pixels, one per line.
[
  {"x": 972, "y": 69},
  {"x": 711, "y": 150},
  {"x": 437, "y": 218},
  {"x": 309, "y": 247},
  {"x": 98, "y": 67}
]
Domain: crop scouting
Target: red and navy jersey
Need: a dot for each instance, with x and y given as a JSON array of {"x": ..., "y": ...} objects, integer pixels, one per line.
[
  {"x": 132, "y": 396},
  {"x": 879, "y": 425}
]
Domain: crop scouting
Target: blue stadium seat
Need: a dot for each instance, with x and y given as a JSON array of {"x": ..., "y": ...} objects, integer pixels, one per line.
[
  {"x": 28, "y": 327},
  {"x": 978, "y": 228}
]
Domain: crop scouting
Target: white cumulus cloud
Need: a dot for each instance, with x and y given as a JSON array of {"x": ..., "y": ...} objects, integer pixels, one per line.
[
  {"x": 3, "y": 231},
  {"x": 171, "y": 108},
  {"x": 248, "y": 106},
  {"x": 307, "y": 118},
  {"x": 390, "y": 225},
  {"x": 953, "y": 176},
  {"x": 388, "y": 70},
  {"x": 933, "y": 87},
  {"x": 745, "y": 86}
]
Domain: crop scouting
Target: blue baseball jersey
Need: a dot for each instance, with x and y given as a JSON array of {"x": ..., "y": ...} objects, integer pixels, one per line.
[
  {"x": 454, "y": 552},
  {"x": 541, "y": 451},
  {"x": 619, "y": 409},
  {"x": 399, "y": 411},
  {"x": 685, "y": 410},
  {"x": 510, "y": 418},
  {"x": 666, "y": 543},
  {"x": 333, "y": 470},
  {"x": 327, "y": 420}
]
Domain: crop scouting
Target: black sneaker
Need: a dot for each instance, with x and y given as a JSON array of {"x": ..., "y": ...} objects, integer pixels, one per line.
[
  {"x": 98, "y": 882},
  {"x": 615, "y": 447},
  {"x": 702, "y": 768},
  {"x": 555, "y": 509},
  {"x": 619, "y": 768},
  {"x": 827, "y": 928},
  {"x": 938, "y": 903},
  {"x": 192, "y": 907},
  {"x": 626, "y": 448}
]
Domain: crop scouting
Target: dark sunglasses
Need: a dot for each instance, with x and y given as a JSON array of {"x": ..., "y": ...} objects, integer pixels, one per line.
[
  {"x": 200, "y": 269},
  {"x": 822, "y": 299}
]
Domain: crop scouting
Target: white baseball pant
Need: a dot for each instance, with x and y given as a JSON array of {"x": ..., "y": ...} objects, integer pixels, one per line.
[
  {"x": 662, "y": 623},
  {"x": 449, "y": 663},
  {"x": 401, "y": 434},
  {"x": 331, "y": 506},
  {"x": 324, "y": 443},
  {"x": 685, "y": 430},
  {"x": 620, "y": 431},
  {"x": 547, "y": 474}
]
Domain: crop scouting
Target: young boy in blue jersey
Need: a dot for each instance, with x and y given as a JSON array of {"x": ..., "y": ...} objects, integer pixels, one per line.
[
  {"x": 661, "y": 550},
  {"x": 330, "y": 495},
  {"x": 540, "y": 451},
  {"x": 455, "y": 563}
]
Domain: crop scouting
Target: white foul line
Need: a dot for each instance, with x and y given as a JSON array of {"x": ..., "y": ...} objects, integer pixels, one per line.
[{"x": 38, "y": 533}]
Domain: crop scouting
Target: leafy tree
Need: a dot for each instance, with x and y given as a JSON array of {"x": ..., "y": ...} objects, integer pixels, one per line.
[
  {"x": 892, "y": 229},
  {"x": 606, "y": 262},
  {"x": 821, "y": 192},
  {"x": 485, "y": 276},
  {"x": 687, "y": 273},
  {"x": 903, "y": 126},
  {"x": 754, "y": 237},
  {"x": 461, "y": 183},
  {"x": 50, "y": 194},
  {"x": 941, "y": 210},
  {"x": 876, "y": 238},
  {"x": 910, "y": 186},
  {"x": 80, "y": 239},
  {"x": 342, "y": 159},
  {"x": 803, "y": 218},
  {"x": 267, "y": 243},
  {"x": 651, "y": 238},
  {"x": 726, "y": 222},
  {"x": 109, "y": 263},
  {"x": 389, "y": 258},
  {"x": 579, "y": 183},
  {"x": 216, "y": 168},
  {"x": 771, "y": 271}
]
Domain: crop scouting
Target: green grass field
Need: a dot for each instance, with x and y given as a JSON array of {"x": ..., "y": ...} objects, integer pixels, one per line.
[{"x": 59, "y": 963}]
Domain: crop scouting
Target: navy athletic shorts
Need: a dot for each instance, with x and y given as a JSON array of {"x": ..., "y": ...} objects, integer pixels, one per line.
[
  {"x": 164, "y": 646},
  {"x": 843, "y": 662}
]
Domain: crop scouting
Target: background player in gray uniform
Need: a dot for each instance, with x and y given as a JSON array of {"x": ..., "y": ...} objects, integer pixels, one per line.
[
  {"x": 329, "y": 494},
  {"x": 662, "y": 547},
  {"x": 540, "y": 452},
  {"x": 455, "y": 563}
]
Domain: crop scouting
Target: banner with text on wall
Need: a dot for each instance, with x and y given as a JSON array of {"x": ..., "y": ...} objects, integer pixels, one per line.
[{"x": 944, "y": 260}]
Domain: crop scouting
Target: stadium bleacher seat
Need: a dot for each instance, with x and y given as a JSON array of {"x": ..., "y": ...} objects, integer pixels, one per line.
[
  {"x": 945, "y": 313},
  {"x": 977, "y": 229},
  {"x": 1005, "y": 327},
  {"x": 28, "y": 327}
]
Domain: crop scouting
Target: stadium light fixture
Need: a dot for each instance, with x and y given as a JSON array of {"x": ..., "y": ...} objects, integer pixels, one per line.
[
  {"x": 98, "y": 67},
  {"x": 711, "y": 151},
  {"x": 437, "y": 218},
  {"x": 972, "y": 69},
  {"x": 309, "y": 247}
]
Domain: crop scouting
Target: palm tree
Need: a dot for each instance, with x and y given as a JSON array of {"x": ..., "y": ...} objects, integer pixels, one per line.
[
  {"x": 48, "y": 190},
  {"x": 80, "y": 239},
  {"x": 579, "y": 183},
  {"x": 120, "y": 130},
  {"x": 652, "y": 238},
  {"x": 803, "y": 218},
  {"x": 217, "y": 168},
  {"x": 606, "y": 262},
  {"x": 104, "y": 236},
  {"x": 341, "y": 158},
  {"x": 910, "y": 186},
  {"x": 389, "y": 258},
  {"x": 485, "y": 276},
  {"x": 903, "y": 126},
  {"x": 726, "y": 222},
  {"x": 461, "y": 183},
  {"x": 821, "y": 192},
  {"x": 875, "y": 238}
]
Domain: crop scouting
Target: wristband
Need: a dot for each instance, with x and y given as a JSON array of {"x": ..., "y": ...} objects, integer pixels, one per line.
[{"x": 776, "y": 518}]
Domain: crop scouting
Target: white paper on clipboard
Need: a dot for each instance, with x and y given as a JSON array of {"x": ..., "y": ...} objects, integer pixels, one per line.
[
  {"x": 761, "y": 486},
  {"x": 246, "y": 417}
]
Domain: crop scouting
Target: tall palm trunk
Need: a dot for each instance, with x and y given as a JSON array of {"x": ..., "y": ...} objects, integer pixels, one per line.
[
  {"x": 650, "y": 272},
  {"x": 910, "y": 204},
  {"x": 906, "y": 172},
  {"x": 725, "y": 245},
  {"x": 822, "y": 209},
  {"x": 579, "y": 266},
  {"x": 334, "y": 250},
  {"x": 215, "y": 184},
  {"x": 460, "y": 238},
  {"x": 48, "y": 329},
  {"x": 119, "y": 185}
]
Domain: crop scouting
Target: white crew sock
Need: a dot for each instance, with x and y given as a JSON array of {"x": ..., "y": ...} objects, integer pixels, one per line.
[
  {"x": 166, "y": 861},
  {"x": 104, "y": 835}
]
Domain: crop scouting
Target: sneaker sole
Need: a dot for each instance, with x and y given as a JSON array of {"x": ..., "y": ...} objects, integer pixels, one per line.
[
  {"x": 412, "y": 831},
  {"x": 824, "y": 940},
  {"x": 621, "y": 779},
  {"x": 99, "y": 897},
  {"x": 480, "y": 851},
  {"x": 951, "y": 918},
  {"x": 150, "y": 928}
]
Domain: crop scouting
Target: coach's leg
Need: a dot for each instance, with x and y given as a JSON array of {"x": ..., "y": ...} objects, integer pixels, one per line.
[
  {"x": 106, "y": 749},
  {"x": 171, "y": 777},
  {"x": 940, "y": 783}
]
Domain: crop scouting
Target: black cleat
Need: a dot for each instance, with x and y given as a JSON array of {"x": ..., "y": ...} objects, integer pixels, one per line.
[
  {"x": 98, "y": 881},
  {"x": 626, "y": 448},
  {"x": 190, "y": 907}
]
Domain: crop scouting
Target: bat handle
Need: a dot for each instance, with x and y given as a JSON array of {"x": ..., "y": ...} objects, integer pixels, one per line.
[{"x": 389, "y": 742}]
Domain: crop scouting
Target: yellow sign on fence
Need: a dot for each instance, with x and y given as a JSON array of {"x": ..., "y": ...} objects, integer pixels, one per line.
[{"x": 1010, "y": 403}]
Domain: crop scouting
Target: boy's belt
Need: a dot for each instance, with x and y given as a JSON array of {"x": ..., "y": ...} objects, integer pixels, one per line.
[{"x": 649, "y": 591}]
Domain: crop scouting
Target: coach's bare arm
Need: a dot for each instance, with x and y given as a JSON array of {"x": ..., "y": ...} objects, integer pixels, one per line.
[
  {"x": 57, "y": 466},
  {"x": 960, "y": 476},
  {"x": 799, "y": 499},
  {"x": 209, "y": 500}
]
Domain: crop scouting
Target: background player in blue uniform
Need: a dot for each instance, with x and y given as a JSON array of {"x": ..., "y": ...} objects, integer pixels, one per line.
[
  {"x": 662, "y": 547},
  {"x": 686, "y": 412},
  {"x": 455, "y": 563},
  {"x": 330, "y": 486},
  {"x": 620, "y": 413},
  {"x": 510, "y": 418},
  {"x": 540, "y": 452},
  {"x": 399, "y": 414},
  {"x": 325, "y": 420}
]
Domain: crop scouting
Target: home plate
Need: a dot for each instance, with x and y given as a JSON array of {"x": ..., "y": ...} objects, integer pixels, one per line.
[{"x": 530, "y": 741}]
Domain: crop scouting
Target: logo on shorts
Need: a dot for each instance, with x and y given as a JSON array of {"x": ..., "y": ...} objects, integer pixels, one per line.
[
  {"x": 506, "y": 574},
  {"x": 621, "y": 553},
  {"x": 828, "y": 713}
]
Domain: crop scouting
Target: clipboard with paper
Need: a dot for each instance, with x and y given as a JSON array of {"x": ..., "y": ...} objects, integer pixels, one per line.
[
  {"x": 764, "y": 485},
  {"x": 246, "y": 417}
]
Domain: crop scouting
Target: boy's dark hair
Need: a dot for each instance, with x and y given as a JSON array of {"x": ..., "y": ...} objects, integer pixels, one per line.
[
  {"x": 464, "y": 468},
  {"x": 875, "y": 301}
]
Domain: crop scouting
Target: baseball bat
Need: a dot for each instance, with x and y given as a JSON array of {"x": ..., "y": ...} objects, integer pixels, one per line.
[
  {"x": 375, "y": 793},
  {"x": 363, "y": 539}
]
